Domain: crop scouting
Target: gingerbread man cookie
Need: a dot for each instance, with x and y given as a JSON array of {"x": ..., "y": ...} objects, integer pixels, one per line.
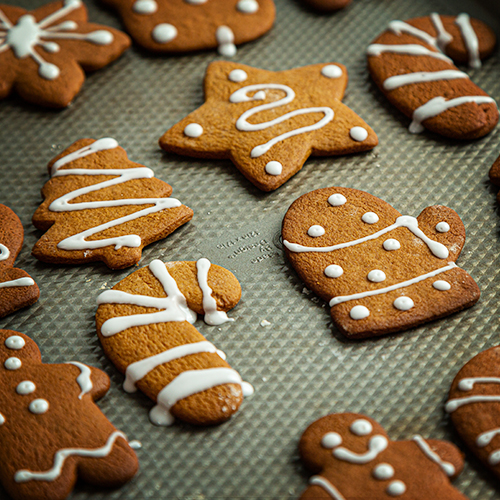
[
  {"x": 17, "y": 288},
  {"x": 121, "y": 207},
  {"x": 268, "y": 123},
  {"x": 43, "y": 52},
  {"x": 144, "y": 324},
  {"x": 474, "y": 406},
  {"x": 412, "y": 63},
  {"x": 186, "y": 25},
  {"x": 51, "y": 431},
  {"x": 354, "y": 459},
  {"x": 380, "y": 271}
]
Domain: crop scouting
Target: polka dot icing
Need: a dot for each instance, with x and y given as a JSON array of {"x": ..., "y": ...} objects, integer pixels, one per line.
[
  {"x": 396, "y": 488},
  {"x": 274, "y": 168},
  {"x": 193, "y": 130},
  {"x": 26, "y": 387},
  {"x": 164, "y": 33},
  {"x": 361, "y": 427},
  {"x": 358, "y": 134},
  {"x": 382, "y": 472},
  {"x": 316, "y": 231},
  {"x": 376, "y": 276},
  {"x": 403, "y": 303},
  {"x": 332, "y": 71},
  {"x": 359, "y": 312},
  {"x": 12, "y": 363},
  {"x": 442, "y": 227},
  {"x": 15, "y": 342},
  {"x": 370, "y": 218},
  {"x": 336, "y": 200},
  {"x": 331, "y": 440},
  {"x": 247, "y": 6},
  {"x": 145, "y": 7},
  {"x": 391, "y": 244},
  {"x": 441, "y": 285},
  {"x": 334, "y": 271},
  {"x": 38, "y": 406},
  {"x": 238, "y": 75}
]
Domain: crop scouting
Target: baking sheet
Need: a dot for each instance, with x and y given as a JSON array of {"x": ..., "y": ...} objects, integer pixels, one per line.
[{"x": 300, "y": 366}]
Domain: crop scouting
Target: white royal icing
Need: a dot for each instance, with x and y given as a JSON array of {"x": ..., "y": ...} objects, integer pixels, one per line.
[
  {"x": 193, "y": 130},
  {"x": 403, "y": 303},
  {"x": 38, "y": 406},
  {"x": 361, "y": 427},
  {"x": 391, "y": 244},
  {"x": 359, "y": 312},
  {"x": 238, "y": 75},
  {"x": 84, "y": 379},
  {"x": 274, "y": 168},
  {"x": 315, "y": 231},
  {"x": 447, "y": 467},
  {"x": 164, "y": 33},
  {"x": 2, "y": 419},
  {"x": 376, "y": 445},
  {"x": 334, "y": 271},
  {"x": 331, "y": 440},
  {"x": 383, "y": 472},
  {"x": 332, "y": 71},
  {"x": 376, "y": 276},
  {"x": 18, "y": 282},
  {"x": 12, "y": 363},
  {"x": 400, "y": 27},
  {"x": 358, "y": 134},
  {"x": 145, "y": 7},
  {"x": 247, "y": 6},
  {"x": 4, "y": 252},
  {"x": 241, "y": 95},
  {"x": 26, "y": 387},
  {"x": 327, "y": 486},
  {"x": 442, "y": 227},
  {"x": 394, "y": 82},
  {"x": 337, "y": 200},
  {"x": 470, "y": 39},
  {"x": 27, "y": 34},
  {"x": 370, "y": 218},
  {"x": 225, "y": 39},
  {"x": 443, "y": 37},
  {"x": 377, "y": 49},
  {"x": 15, "y": 342},
  {"x": 441, "y": 285},
  {"x": 22, "y": 476},
  {"x": 62, "y": 204},
  {"x": 396, "y": 488}
]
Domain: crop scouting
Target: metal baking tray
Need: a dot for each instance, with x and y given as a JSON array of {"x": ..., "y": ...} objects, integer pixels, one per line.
[{"x": 300, "y": 366}]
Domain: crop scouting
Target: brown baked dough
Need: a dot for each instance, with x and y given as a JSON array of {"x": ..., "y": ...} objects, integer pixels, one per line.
[{"x": 328, "y": 5}]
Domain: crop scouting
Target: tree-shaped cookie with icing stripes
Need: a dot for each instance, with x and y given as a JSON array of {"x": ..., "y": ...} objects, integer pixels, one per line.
[
  {"x": 51, "y": 430},
  {"x": 145, "y": 326},
  {"x": 353, "y": 458},
  {"x": 268, "y": 123},
  {"x": 43, "y": 52},
  {"x": 17, "y": 287},
  {"x": 380, "y": 271},
  {"x": 99, "y": 205}
]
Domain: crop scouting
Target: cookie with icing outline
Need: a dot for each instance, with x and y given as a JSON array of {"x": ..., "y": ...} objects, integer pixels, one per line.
[
  {"x": 51, "y": 430},
  {"x": 353, "y": 458},
  {"x": 474, "y": 406},
  {"x": 176, "y": 26},
  {"x": 412, "y": 64},
  {"x": 99, "y": 205},
  {"x": 268, "y": 123},
  {"x": 380, "y": 271},
  {"x": 145, "y": 327},
  {"x": 44, "y": 52},
  {"x": 17, "y": 287}
]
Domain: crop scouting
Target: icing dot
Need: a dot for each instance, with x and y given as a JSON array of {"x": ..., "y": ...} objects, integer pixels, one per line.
[
  {"x": 164, "y": 33},
  {"x": 396, "y": 488},
  {"x": 441, "y": 285},
  {"x": 336, "y": 200},
  {"x": 359, "y": 312},
  {"x": 382, "y": 472},
  {"x": 225, "y": 39},
  {"x": 2, "y": 419},
  {"x": 193, "y": 130},
  {"x": 238, "y": 75},
  {"x": 376, "y": 276},
  {"x": 370, "y": 218},
  {"x": 403, "y": 303},
  {"x": 26, "y": 387},
  {"x": 442, "y": 227},
  {"x": 358, "y": 134},
  {"x": 361, "y": 427},
  {"x": 38, "y": 406},
  {"x": 48, "y": 71},
  {"x": 15, "y": 342},
  {"x": 316, "y": 231},
  {"x": 331, "y": 440},
  {"x": 391, "y": 244},
  {"x": 12, "y": 364},
  {"x": 100, "y": 37},
  {"x": 51, "y": 47},
  {"x": 274, "y": 168},
  {"x": 331, "y": 71},
  {"x": 248, "y": 6},
  {"x": 145, "y": 7},
  {"x": 334, "y": 271}
]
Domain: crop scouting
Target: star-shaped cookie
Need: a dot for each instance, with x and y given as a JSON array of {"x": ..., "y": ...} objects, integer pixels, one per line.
[
  {"x": 268, "y": 123},
  {"x": 43, "y": 52}
]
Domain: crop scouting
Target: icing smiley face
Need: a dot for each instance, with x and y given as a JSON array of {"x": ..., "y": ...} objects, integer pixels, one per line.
[{"x": 363, "y": 233}]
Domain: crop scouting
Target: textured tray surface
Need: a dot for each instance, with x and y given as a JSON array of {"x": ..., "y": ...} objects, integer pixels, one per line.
[{"x": 299, "y": 365}]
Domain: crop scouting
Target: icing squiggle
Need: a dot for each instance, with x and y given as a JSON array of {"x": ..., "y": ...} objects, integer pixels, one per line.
[
  {"x": 18, "y": 282},
  {"x": 408, "y": 49},
  {"x": 78, "y": 241},
  {"x": 448, "y": 468},
  {"x": 327, "y": 486},
  {"x": 4, "y": 252},
  {"x": 376, "y": 445},
  {"x": 241, "y": 95},
  {"x": 84, "y": 379},
  {"x": 394, "y": 82}
]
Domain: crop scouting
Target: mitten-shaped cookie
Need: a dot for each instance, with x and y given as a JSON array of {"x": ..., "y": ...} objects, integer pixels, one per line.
[
  {"x": 43, "y": 52},
  {"x": 474, "y": 406},
  {"x": 354, "y": 459},
  {"x": 17, "y": 288},
  {"x": 380, "y": 271},
  {"x": 268, "y": 123},
  {"x": 410, "y": 64},
  {"x": 188, "y": 25},
  {"x": 99, "y": 205},
  {"x": 51, "y": 431},
  {"x": 144, "y": 324}
]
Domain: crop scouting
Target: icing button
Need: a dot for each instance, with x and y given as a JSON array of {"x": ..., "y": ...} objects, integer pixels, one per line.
[
  {"x": 12, "y": 363},
  {"x": 274, "y": 168},
  {"x": 336, "y": 200},
  {"x": 370, "y": 218},
  {"x": 442, "y": 227},
  {"x": 358, "y": 134},
  {"x": 331, "y": 71},
  {"x": 15, "y": 342},
  {"x": 164, "y": 33},
  {"x": 359, "y": 312},
  {"x": 38, "y": 406},
  {"x": 193, "y": 130},
  {"x": 334, "y": 271},
  {"x": 403, "y": 303}
]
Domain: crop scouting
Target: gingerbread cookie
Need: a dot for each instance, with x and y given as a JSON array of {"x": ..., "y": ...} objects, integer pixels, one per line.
[
  {"x": 268, "y": 123},
  {"x": 186, "y": 25},
  {"x": 380, "y": 271},
  {"x": 17, "y": 287},
  {"x": 144, "y": 324},
  {"x": 328, "y": 5},
  {"x": 43, "y": 52},
  {"x": 412, "y": 63},
  {"x": 474, "y": 406},
  {"x": 354, "y": 459},
  {"x": 51, "y": 431},
  {"x": 120, "y": 207}
]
